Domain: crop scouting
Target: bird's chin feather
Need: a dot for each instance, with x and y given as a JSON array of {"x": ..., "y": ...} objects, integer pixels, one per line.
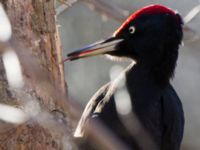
[{"x": 119, "y": 59}]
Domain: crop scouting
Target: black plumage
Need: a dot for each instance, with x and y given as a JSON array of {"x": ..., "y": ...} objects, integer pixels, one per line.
[{"x": 151, "y": 37}]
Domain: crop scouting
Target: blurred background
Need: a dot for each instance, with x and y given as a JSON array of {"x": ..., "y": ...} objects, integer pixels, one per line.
[{"x": 89, "y": 20}]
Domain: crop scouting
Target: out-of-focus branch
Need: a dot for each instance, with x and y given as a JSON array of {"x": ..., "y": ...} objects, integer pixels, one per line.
[
  {"x": 108, "y": 8},
  {"x": 67, "y": 2},
  {"x": 193, "y": 36},
  {"x": 105, "y": 7},
  {"x": 64, "y": 5},
  {"x": 192, "y": 14}
]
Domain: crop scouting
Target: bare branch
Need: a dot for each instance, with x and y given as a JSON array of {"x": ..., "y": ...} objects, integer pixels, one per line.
[
  {"x": 64, "y": 5},
  {"x": 192, "y": 14},
  {"x": 109, "y": 9}
]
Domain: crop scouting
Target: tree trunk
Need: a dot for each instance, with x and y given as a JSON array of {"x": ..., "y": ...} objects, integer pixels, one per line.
[{"x": 36, "y": 41}]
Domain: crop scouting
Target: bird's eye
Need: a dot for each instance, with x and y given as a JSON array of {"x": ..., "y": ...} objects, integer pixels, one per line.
[{"x": 131, "y": 29}]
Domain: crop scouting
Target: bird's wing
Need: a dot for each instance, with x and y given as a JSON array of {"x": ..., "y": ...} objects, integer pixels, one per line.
[
  {"x": 173, "y": 120},
  {"x": 89, "y": 109}
]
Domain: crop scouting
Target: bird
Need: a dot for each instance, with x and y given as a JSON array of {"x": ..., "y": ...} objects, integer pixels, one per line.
[{"x": 151, "y": 38}]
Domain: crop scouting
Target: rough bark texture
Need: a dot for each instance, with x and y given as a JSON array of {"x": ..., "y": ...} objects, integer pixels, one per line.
[{"x": 36, "y": 40}]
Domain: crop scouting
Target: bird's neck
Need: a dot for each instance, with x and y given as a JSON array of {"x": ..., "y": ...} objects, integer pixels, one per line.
[
  {"x": 142, "y": 86},
  {"x": 143, "y": 73},
  {"x": 160, "y": 69}
]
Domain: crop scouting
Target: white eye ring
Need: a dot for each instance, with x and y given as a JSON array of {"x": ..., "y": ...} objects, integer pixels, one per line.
[{"x": 131, "y": 29}]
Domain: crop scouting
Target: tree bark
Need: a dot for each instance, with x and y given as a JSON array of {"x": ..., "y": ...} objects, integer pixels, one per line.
[{"x": 36, "y": 41}]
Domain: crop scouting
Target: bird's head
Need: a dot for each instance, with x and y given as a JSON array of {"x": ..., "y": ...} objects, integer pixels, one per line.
[{"x": 151, "y": 35}]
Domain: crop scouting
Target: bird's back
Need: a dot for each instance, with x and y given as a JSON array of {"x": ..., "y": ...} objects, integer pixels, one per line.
[{"x": 173, "y": 120}]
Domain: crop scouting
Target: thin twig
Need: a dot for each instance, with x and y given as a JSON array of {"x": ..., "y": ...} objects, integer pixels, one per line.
[
  {"x": 64, "y": 5},
  {"x": 109, "y": 9},
  {"x": 192, "y": 14}
]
